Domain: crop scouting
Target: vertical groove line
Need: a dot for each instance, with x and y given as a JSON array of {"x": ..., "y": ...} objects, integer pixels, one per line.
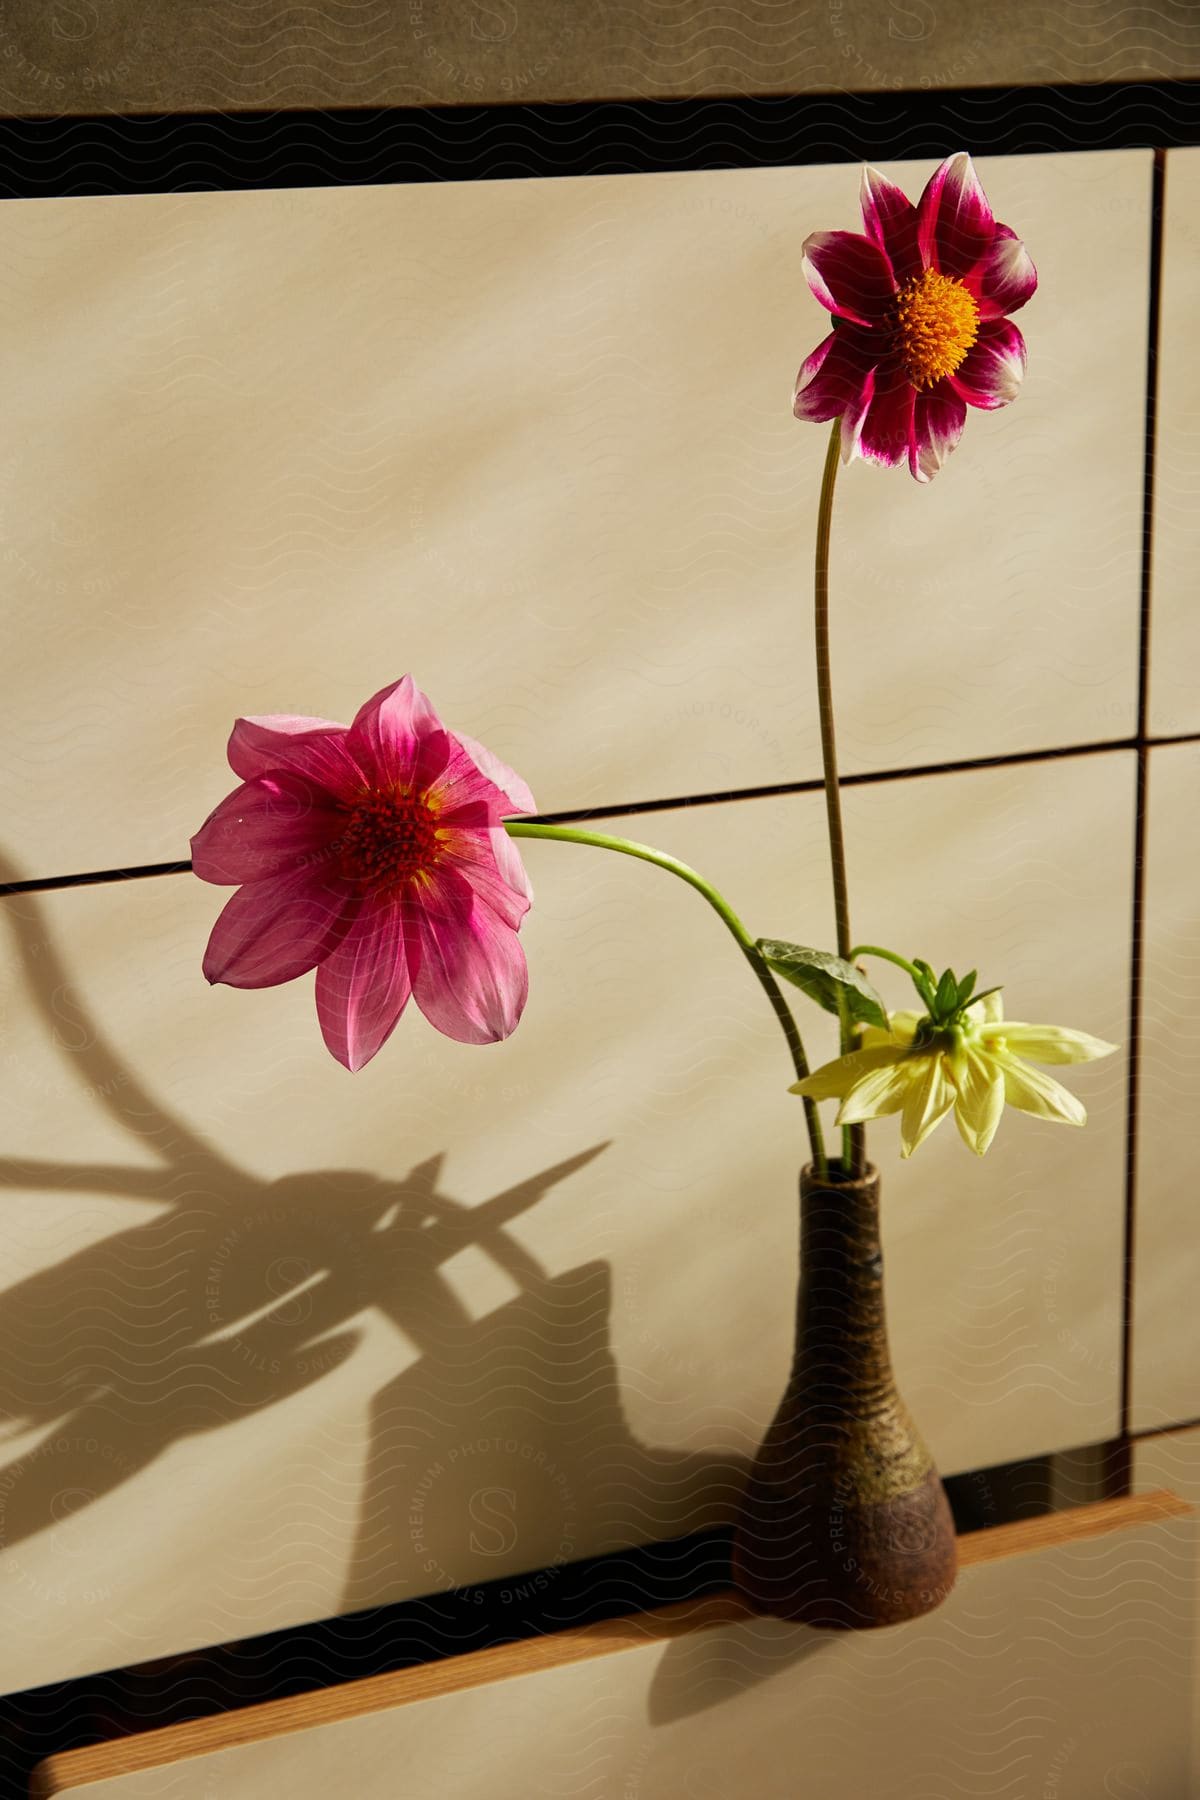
[{"x": 1122, "y": 1472}]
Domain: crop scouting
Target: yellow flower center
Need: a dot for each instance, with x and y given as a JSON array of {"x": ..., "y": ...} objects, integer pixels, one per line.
[
  {"x": 937, "y": 321},
  {"x": 391, "y": 837}
]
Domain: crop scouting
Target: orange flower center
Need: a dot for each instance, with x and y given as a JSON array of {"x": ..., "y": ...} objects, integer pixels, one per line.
[
  {"x": 391, "y": 837},
  {"x": 937, "y": 321}
]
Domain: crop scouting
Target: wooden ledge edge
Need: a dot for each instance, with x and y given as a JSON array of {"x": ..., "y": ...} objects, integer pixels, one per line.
[
  {"x": 428, "y": 1681},
  {"x": 1073, "y": 1525}
]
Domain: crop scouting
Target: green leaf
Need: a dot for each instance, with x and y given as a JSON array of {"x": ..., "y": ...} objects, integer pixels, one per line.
[
  {"x": 965, "y": 986},
  {"x": 946, "y": 997},
  {"x": 823, "y": 976}
]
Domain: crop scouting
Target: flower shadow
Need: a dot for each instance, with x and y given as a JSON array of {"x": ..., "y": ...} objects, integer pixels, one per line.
[{"x": 503, "y": 1444}]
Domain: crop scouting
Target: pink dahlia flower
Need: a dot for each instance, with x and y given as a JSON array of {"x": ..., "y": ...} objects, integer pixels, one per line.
[
  {"x": 375, "y": 854},
  {"x": 920, "y": 313}
]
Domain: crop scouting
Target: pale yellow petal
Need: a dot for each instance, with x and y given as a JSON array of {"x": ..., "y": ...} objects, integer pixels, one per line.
[
  {"x": 930, "y": 1097},
  {"x": 1028, "y": 1089},
  {"x": 833, "y": 1080},
  {"x": 979, "y": 1101},
  {"x": 881, "y": 1091},
  {"x": 1045, "y": 1043},
  {"x": 904, "y": 1025},
  {"x": 988, "y": 1011},
  {"x": 902, "y": 1030}
]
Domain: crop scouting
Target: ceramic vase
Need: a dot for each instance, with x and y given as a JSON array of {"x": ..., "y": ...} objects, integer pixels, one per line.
[{"x": 844, "y": 1523}]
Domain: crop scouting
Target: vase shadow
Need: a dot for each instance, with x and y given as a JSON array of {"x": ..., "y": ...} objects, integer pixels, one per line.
[
  {"x": 712, "y": 1666},
  {"x": 507, "y": 1442}
]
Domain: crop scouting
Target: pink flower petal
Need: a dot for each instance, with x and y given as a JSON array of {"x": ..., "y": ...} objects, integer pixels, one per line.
[
  {"x": 520, "y": 798},
  {"x": 504, "y": 852},
  {"x": 312, "y": 748},
  {"x": 812, "y": 407},
  {"x": 253, "y": 738},
  {"x": 389, "y": 727},
  {"x": 472, "y": 981},
  {"x": 472, "y": 854},
  {"x": 436, "y": 756},
  {"x": 849, "y": 274},
  {"x": 272, "y": 931},
  {"x": 363, "y": 986},
  {"x": 991, "y": 373},
  {"x": 938, "y": 419},
  {"x": 307, "y": 784},
  {"x": 1005, "y": 279},
  {"x": 890, "y": 219},
  {"x": 831, "y": 379},
  {"x": 955, "y": 224},
  {"x": 455, "y": 784},
  {"x": 264, "y": 828},
  {"x": 512, "y": 869},
  {"x": 506, "y": 779},
  {"x": 887, "y": 430},
  {"x": 854, "y": 418}
]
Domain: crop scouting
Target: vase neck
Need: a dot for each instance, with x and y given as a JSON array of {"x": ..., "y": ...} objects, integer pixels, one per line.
[{"x": 841, "y": 1325}]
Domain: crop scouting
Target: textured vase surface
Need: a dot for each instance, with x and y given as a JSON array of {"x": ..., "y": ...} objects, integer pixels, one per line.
[{"x": 844, "y": 1522}]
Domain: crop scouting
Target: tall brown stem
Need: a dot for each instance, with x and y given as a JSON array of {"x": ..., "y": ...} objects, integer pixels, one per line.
[{"x": 854, "y": 1148}]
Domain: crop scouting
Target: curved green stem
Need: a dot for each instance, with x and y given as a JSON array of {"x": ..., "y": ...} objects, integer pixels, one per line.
[
  {"x": 571, "y": 834},
  {"x": 901, "y": 962},
  {"x": 853, "y": 1136}
]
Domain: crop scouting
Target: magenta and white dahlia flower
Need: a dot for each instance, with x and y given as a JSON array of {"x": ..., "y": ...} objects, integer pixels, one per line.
[
  {"x": 375, "y": 854},
  {"x": 920, "y": 312}
]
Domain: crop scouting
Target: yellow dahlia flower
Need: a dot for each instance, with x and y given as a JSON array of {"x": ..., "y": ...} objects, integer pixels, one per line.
[{"x": 975, "y": 1065}]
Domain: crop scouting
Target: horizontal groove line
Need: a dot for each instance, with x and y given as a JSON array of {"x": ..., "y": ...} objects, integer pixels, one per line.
[
  {"x": 91, "y": 878},
  {"x": 215, "y": 146},
  {"x": 1149, "y": 1432},
  {"x": 40, "y": 884}
]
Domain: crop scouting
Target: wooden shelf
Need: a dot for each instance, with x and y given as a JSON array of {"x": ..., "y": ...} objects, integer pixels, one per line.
[{"x": 538, "y": 1656}]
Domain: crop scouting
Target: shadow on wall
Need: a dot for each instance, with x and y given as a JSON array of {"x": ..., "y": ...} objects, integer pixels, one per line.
[
  {"x": 505, "y": 1430},
  {"x": 705, "y": 1669}
]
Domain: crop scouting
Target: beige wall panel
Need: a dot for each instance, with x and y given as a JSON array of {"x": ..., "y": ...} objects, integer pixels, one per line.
[
  {"x": 1166, "y": 1329},
  {"x": 1169, "y": 1459},
  {"x": 1064, "y": 1672},
  {"x": 1172, "y": 1460},
  {"x": 1175, "y": 633},
  {"x": 533, "y": 441},
  {"x": 272, "y": 1334}
]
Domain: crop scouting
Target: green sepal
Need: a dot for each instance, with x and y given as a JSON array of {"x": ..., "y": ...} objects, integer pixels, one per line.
[
  {"x": 927, "y": 986},
  {"x": 946, "y": 998},
  {"x": 983, "y": 996},
  {"x": 823, "y": 976}
]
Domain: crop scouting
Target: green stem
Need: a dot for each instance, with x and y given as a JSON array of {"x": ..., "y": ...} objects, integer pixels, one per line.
[
  {"x": 571, "y": 834},
  {"x": 853, "y": 1136},
  {"x": 901, "y": 962}
]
